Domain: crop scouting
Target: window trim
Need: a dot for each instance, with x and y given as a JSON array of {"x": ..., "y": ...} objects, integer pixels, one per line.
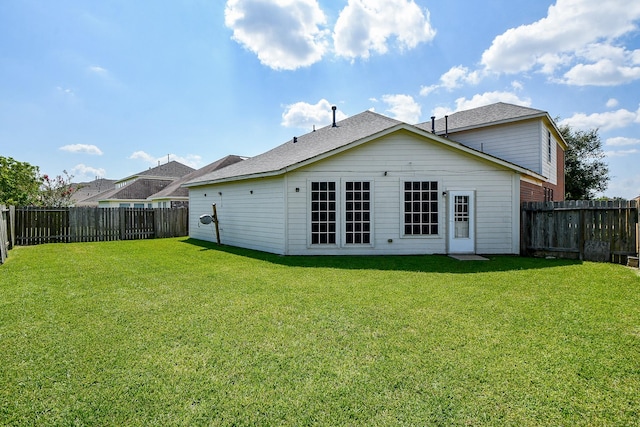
[
  {"x": 343, "y": 209},
  {"x": 439, "y": 200},
  {"x": 309, "y": 225}
]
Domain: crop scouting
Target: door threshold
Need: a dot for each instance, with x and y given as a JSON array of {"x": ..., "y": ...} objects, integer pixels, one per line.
[{"x": 468, "y": 257}]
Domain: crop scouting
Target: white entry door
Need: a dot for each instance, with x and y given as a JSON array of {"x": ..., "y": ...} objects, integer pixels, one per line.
[{"x": 461, "y": 222}]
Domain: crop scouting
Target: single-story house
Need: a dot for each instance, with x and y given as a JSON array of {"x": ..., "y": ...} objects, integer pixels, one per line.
[{"x": 368, "y": 184}]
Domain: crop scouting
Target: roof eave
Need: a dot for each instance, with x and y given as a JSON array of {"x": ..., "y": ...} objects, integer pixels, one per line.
[
  {"x": 541, "y": 115},
  {"x": 496, "y": 123},
  {"x": 302, "y": 163}
]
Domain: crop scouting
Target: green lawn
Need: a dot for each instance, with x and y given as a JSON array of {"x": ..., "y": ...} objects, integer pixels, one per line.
[{"x": 181, "y": 332}]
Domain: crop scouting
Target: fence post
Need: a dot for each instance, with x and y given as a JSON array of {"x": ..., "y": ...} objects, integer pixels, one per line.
[
  {"x": 4, "y": 238},
  {"x": 12, "y": 225},
  {"x": 122, "y": 218}
]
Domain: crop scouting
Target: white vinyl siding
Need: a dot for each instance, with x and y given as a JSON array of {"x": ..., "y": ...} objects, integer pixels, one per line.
[
  {"x": 517, "y": 143},
  {"x": 549, "y": 151},
  {"x": 387, "y": 163},
  {"x": 250, "y": 213}
]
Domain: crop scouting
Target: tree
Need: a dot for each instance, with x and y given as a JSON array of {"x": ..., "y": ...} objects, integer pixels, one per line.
[
  {"x": 57, "y": 192},
  {"x": 19, "y": 182},
  {"x": 585, "y": 171}
]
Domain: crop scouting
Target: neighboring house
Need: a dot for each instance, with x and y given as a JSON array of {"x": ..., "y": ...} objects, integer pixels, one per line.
[
  {"x": 368, "y": 184},
  {"x": 134, "y": 191},
  {"x": 175, "y": 195},
  {"x": 525, "y": 136},
  {"x": 86, "y": 190}
]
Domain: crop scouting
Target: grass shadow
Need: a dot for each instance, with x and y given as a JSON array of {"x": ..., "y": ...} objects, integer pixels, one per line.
[{"x": 414, "y": 263}]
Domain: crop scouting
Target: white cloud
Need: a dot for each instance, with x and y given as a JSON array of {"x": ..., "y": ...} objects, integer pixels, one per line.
[
  {"x": 304, "y": 116},
  {"x": 426, "y": 90},
  {"x": 403, "y": 107},
  {"x": 82, "y": 148},
  {"x": 612, "y": 103},
  {"x": 621, "y": 141},
  {"x": 480, "y": 100},
  {"x": 621, "y": 153},
  {"x": 605, "y": 121},
  {"x": 65, "y": 91},
  {"x": 285, "y": 34},
  {"x": 99, "y": 70},
  {"x": 83, "y": 172},
  {"x": 516, "y": 85},
  {"x": 192, "y": 160},
  {"x": 602, "y": 73},
  {"x": 141, "y": 155},
  {"x": 581, "y": 34},
  {"x": 454, "y": 78},
  {"x": 628, "y": 187},
  {"x": 370, "y": 26}
]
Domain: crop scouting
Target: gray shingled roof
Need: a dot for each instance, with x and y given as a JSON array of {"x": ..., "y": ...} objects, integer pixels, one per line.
[
  {"x": 308, "y": 146},
  {"x": 139, "y": 189},
  {"x": 89, "y": 189},
  {"x": 171, "y": 169},
  {"x": 488, "y": 115},
  {"x": 175, "y": 189}
]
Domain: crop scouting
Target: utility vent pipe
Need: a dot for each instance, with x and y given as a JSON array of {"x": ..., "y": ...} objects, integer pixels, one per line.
[
  {"x": 334, "y": 125},
  {"x": 433, "y": 124},
  {"x": 446, "y": 126}
]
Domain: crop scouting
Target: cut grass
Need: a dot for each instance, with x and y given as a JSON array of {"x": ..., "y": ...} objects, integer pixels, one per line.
[{"x": 182, "y": 332}]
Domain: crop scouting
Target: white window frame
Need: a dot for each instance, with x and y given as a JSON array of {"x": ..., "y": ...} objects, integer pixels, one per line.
[
  {"x": 439, "y": 213},
  {"x": 343, "y": 207},
  {"x": 309, "y": 209}
]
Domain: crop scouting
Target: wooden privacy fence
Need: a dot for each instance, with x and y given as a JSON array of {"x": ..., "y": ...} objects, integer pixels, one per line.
[
  {"x": 7, "y": 236},
  {"x": 92, "y": 224},
  {"x": 588, "y": 230}
]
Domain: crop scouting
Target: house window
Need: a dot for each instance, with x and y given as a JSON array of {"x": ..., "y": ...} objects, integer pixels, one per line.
[
  {"x": 323, "y": 213},
  {"x": 138, "y": 205},
  {"x": 549, "y": 146},
  {"x": 357, "y": 212},
  {"x": 548, "y": 194},
  {"x": 420, "y": 208}
]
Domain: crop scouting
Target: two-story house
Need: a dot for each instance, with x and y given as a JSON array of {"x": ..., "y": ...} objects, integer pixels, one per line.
[{"x": 371, "y": 184}]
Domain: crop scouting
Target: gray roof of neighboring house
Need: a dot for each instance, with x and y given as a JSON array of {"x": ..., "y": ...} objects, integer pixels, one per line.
[
  {"x": 171, "y": 169},
  {"x": 175, "y": 189},
  {"x": 488, "y": 115},
  {"x": 89, "y": 189},
  {"x": 306, "y": 147},
  {"x": 139, "y": 189}
]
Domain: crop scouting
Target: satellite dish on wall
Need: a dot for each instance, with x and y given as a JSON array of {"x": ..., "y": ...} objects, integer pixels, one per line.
[{"x": 206, "y": 219}]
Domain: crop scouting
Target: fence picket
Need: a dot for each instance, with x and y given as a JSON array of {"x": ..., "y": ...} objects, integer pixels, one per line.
[
  {"x": 581, "y": 229},
  {"x": 91, "y": 224}
]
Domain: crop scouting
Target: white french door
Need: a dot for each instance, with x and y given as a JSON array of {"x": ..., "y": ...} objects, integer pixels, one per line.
[{"x": 461, "y": 222}]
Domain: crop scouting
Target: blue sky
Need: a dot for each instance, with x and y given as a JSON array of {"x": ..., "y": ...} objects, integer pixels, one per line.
[{"x": 111, "y": 88}]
